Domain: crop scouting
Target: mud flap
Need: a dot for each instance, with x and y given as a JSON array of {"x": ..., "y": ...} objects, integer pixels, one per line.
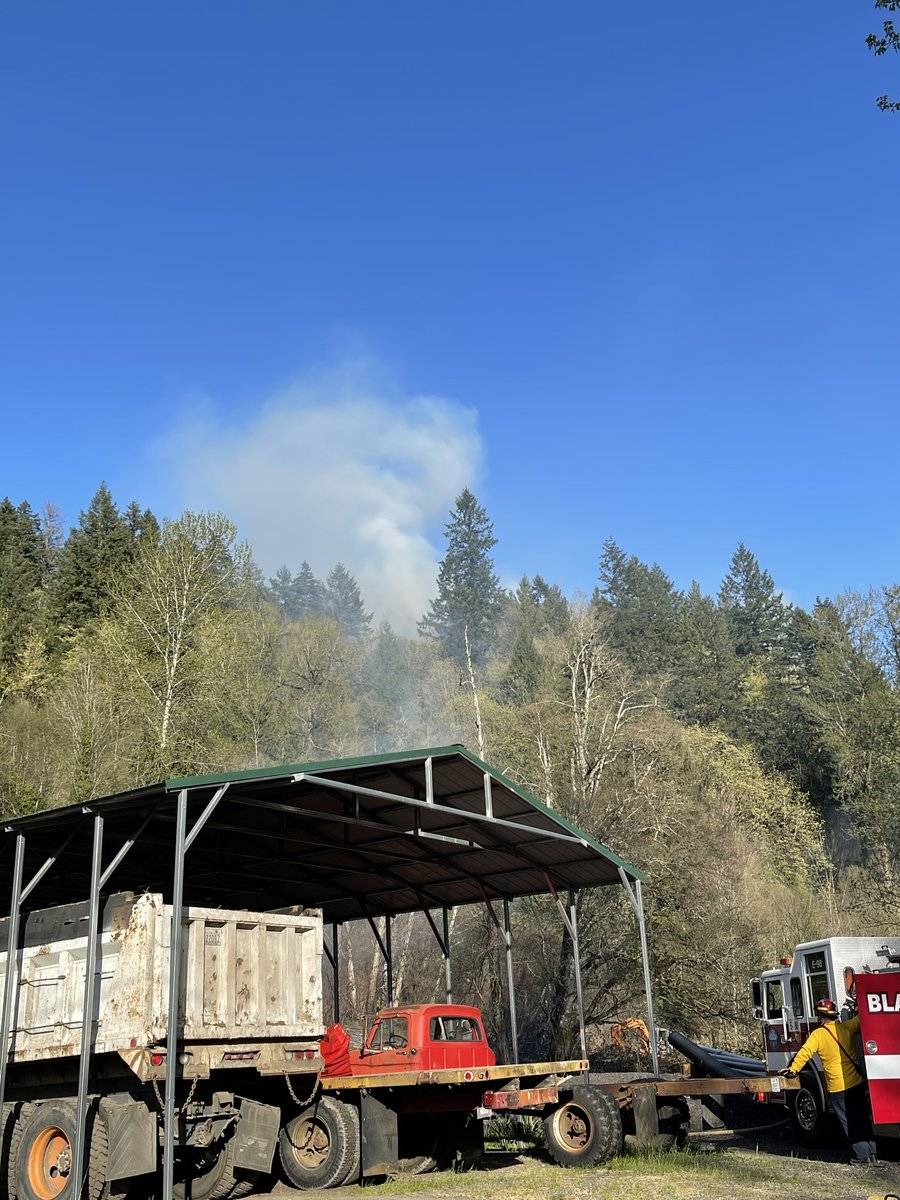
[
  {"x": 379, "y": 1149},
  {"x": 256, "y": 1135},
  {"x": 132, "y": 1131}
]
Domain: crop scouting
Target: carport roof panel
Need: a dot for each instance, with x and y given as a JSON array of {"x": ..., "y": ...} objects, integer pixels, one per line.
[
  {"x": 355, "y": 837},
  {"x": 332, "y": 767}
]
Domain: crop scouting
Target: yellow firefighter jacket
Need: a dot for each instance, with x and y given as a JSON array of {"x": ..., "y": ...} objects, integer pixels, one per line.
[{"x": 834, "y": 1044}]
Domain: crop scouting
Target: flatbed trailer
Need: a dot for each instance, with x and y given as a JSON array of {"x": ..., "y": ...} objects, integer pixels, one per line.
[{"x": 414, "y": 1115}]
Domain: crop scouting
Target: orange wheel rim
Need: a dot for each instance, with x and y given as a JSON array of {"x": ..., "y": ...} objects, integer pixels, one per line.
[{"x": 49, "y": 1163}]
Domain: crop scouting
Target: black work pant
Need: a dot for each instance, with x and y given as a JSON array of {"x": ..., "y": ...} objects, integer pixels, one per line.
[{"x": 852, "y": 1110}]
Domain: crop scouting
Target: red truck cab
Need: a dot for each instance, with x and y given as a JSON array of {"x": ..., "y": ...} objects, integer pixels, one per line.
[{"x": 424, "y": 1037}]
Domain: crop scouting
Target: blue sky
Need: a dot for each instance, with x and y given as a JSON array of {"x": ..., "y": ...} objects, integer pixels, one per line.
[{"x": 652, "y": 250}]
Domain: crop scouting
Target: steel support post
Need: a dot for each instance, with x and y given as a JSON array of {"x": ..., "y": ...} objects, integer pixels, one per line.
[
  {"x": 648, "y": 983},
  {"x": 389, "y": 959},
  {"x": 576, "y": 958},
  {"x": 175, "y": 938},
  {"x": 10, "y": 988},
  {"x": 87, "y": 1011},
  {"x": 448, "y": 973},
  {"x": 336, "y": 972},
  {"x": 510, "y": 985}
]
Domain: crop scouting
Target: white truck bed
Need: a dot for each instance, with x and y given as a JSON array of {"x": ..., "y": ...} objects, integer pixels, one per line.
[{"x": 247, "y": 976}]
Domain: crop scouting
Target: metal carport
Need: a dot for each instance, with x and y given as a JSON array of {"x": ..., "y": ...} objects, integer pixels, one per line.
[{"x": 368, "y": 837}]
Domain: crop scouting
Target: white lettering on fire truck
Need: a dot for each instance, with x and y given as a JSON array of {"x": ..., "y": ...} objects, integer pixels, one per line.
[{"x": 883, "y": 1003}]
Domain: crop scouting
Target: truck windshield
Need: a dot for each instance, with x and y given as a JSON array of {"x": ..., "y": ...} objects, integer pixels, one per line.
[
  {"x": 454, "y": 1029},
  {"x": 391, "y": 1033},
  {"x": 774, "y": 999}
]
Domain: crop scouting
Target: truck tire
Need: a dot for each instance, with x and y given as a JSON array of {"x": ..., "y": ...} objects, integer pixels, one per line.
[
  {"x": 806, "y": 1115},
  {"x": 319, "y": 1147},
  {"x": 12, "y": 1134},
  {"x": 213, "y": 1176},
  {"x": 45, "y": 1142},
  {"x": 586, "y": 1129}
]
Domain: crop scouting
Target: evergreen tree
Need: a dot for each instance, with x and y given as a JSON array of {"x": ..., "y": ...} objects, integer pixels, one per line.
[
  {"x": 281, "y": 592},
  {"x": 644, "y": 611},
  {"x": 757, "y": 614},
  {"x": 343, "y": 601},
  {"x": 469, "y": 596},
  {"x": 534, "y": 610},
  {"x": 141, "y": 522},
  {"x": 309, "y": 599},
  {"x": 21, "y": 569},
  {"x": 100, "y": 546},
  {"x": 707, "y": 686}
]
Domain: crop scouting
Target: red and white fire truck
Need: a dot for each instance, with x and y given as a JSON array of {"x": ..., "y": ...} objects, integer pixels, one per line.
[{"x": 861, "y": 975}]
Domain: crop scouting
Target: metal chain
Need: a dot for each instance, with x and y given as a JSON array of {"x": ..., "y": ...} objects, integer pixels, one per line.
[
  {"x": 296, "y": 1099},
  {"x": 188, "y": 1098}
]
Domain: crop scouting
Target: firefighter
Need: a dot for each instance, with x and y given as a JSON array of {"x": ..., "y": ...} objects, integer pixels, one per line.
[{"x": 833, "y": 1041}]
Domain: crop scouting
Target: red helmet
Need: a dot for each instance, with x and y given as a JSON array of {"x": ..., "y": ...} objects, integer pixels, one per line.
[{"x": 827, "y": 1008}]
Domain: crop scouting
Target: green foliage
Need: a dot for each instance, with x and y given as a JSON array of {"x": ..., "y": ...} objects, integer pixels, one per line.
[
  {"x": 881, "y": 43},
  {"x": 757, "y": 614},
  {"x": 100, "y": 547},
  {"x": 22, "y": 566},
  {"x": 344, "y": 602},
  {"x": 469, "y": 599},
  {"x": 643, "y": 610},
  {"x": 743, "y": 751}
]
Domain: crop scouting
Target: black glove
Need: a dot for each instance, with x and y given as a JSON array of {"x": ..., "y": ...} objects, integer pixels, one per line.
[{"x": 787, "y": 1073}]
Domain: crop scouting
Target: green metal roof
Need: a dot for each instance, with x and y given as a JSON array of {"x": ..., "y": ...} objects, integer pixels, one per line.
[
  {"x": 353, "y": 836},
  {"x": 177, "y": 783}
]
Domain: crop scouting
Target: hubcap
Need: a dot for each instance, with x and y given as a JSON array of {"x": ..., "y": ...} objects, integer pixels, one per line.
[
  {"x": 49, "y": 1163},
  {"x": 310, "y": 1141},
  {"x": 573, "y": 1128}
]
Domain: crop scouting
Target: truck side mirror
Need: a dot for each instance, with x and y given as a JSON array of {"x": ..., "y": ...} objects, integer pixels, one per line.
[{"x": 757, "y": 1012}]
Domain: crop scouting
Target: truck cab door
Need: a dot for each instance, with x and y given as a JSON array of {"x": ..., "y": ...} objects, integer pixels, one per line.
[{"x": 777, "y": 1018}]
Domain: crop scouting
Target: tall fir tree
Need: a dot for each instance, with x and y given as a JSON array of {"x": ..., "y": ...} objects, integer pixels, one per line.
[
  {"x": 344, "y": 602},
  {"x": 706, "y": 688},
  {"x": 22, "y": 567},
  {"x": 469, "y": 597},
  {"x": 308, "y": 593},
  {"x": 281, "y": 592},
  {"x": 757, "y": 615},
  {"x": 644, "y": 611},
  {"x": 535, "y": 609},
  {"x": 98, "y": 548}
]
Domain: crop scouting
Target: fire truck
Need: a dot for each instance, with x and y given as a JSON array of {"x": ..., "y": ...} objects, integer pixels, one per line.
[{"x": 861, "y": 975}]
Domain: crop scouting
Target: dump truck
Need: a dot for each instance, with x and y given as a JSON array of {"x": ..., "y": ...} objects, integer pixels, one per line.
[
  {"x": 861, "y": 974},
  {"x": 251, "y": 1014}
]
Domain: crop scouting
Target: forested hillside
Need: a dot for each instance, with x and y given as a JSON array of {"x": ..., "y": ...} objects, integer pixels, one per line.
[{"x": 744, "y": 751}]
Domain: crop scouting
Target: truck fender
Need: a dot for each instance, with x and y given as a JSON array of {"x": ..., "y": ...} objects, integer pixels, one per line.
[
  {"x": 256, "y": 1135},
  {"x": 132, "y": 1131}
]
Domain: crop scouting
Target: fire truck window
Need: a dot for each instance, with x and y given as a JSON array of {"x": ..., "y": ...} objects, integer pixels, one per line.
[
  {"x": 816, "y": 978},
  {"x": 797, "y": 998},
  {"x": 774, "y": 999},
  {"x": 454, "y": 1029},
  {"x": 392, "y": 1033}
]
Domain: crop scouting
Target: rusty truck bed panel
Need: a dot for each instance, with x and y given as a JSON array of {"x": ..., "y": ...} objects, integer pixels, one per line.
[
  {"x": 454, "y": 1075},
  {"x": 247, "y": 976}
]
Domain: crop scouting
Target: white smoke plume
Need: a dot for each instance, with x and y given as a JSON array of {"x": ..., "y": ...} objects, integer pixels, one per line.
[{"x": 338, "y": 468}]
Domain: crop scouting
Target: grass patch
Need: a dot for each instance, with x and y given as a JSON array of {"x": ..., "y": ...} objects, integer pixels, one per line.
[{"x": 692, "y": 1160}]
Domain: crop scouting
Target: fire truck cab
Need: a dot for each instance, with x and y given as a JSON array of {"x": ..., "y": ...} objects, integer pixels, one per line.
[{"x": 784, "y": 1002}]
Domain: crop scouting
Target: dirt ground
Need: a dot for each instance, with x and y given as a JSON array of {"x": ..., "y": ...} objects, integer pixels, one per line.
[{"x": 737, "y": 1167}]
